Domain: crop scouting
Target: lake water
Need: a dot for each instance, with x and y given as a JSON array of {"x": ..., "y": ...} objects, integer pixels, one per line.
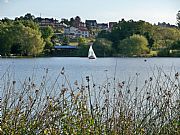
[{"x": 76, "y": 68}]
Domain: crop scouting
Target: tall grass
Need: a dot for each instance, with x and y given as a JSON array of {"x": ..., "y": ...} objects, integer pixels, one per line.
[{"x": 113, "y": 108}]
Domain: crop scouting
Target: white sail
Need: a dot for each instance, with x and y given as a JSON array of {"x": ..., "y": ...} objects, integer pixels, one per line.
[{"x": 91, "y": 54}]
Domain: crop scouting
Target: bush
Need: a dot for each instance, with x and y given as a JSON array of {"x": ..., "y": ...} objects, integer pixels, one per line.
[{"x": 134, "y": 45}]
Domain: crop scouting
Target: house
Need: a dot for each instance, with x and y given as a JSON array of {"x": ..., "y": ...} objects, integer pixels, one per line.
[
  {"x": 44, "y": 22},
  {"x": 91, "y": 23},
  {"x": 102, "y": 26},
  {"x": 83, "y": 32},
  {"x": 111, "y": 25},
  {"x": 70, "y": 32},
  {"x": 73, "y": 32}
]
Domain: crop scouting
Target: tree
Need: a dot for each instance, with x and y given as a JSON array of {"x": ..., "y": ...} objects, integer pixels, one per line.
[
  {"x": 81, "y": 41},
  {"x": 126, "y": 29},
  {"x": 102, "y": 47},
  {"x": 19, "y": 39},
  {"x": 47, "y": 33},
  {"x": 28, "y": 16},
  {"x": 175, "y": 45},
  {"x": 164, "y": 37},
  {"x": 178, "y": 18},
  {"x": 71, "y": 22},
  {"x": 83, "y": 50},
  {"x": 32, "y": 43},
  {"x": 104, "y": 34},
  {"x": 5, "y": 39},
  {"x": 65, "y": 41},
  {"x": 133, "y": 45}
]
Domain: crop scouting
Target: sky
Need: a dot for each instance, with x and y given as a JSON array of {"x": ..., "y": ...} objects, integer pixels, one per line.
[{"x": 103, "y": 11}]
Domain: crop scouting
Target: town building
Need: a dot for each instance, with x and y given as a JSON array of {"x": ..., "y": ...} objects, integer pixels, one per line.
[
  {"x": 91, "y": 23},
  {"x": 44, "y": 22},
  {"x": 73, "y": 32},
  {"x": 102, "y": 26}
]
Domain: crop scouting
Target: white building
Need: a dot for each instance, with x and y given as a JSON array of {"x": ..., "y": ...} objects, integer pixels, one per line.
[{"x": 76, "y": 32}]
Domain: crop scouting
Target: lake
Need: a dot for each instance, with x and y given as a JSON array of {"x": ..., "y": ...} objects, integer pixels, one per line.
[{"x": 76, "y": 68}]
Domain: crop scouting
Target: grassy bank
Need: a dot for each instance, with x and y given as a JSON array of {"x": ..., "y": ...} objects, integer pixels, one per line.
[{"x": 112, "y": 108}]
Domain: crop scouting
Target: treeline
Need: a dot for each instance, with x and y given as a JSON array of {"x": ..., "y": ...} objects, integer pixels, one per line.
[
  {"x": 131, "y": 38},
  {"x": 23, "y": 36}
]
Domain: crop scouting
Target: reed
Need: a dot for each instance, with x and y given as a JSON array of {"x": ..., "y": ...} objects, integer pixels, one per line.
[{"x": 113, "y": 108}]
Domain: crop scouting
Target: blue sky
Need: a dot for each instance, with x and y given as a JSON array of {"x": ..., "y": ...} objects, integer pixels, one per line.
[{"x": 153, "y": 11}]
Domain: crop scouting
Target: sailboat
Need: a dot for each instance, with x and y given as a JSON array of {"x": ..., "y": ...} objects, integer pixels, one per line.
[{"x": 91, "y": 54}]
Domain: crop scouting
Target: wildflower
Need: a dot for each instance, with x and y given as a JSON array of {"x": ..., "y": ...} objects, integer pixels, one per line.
[
  {"x": 46, "y": 70},
  {"x": 14, "y": 82},
  {"x": 123, "y": 82},
  {"x": 120, "y": 85},
  {"x": 76, "y": 82},
  {"x": 146, "y": 81},
  {"x": 36, "y": 91},
  {"x": 148, "y": 97},
  {"x": 20, "y": 98},
  {"x": 87, "y": 78},
  {"x": 176, "y": 75},
  {"x": 33, "y": 85}
]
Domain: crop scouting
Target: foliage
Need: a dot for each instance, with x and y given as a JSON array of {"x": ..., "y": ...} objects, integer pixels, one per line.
[
  {"x": 134, "y": 45},
  {"x": 65, "y": 40},
  {"x": 102, "y": 47},
  {"x": 83, "y": 50},
  {"x": 178, "y": 18},
  {"x": 164, "y": 37},
  {"x": 175, "y": 45},
  {"x": 82, "y": 41},
  {"x": 159, "y": 38},
  {"x": 5, "y": 39},
  {"x": 32, "y": 43},
  {"x": 104, "y": 34},
  {"x": 126, "y": 29},
  {"x": 47, "y": 34},
  {"x": 20, "y": 39}
]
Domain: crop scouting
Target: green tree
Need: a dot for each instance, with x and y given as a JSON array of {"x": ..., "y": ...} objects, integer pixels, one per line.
[
  {"x": 28, "y": 16},
  {"x": 65, "y": 40},
  {"x": 102, "y": 47},
  {"x": 178, "y": 18},
  {"x": 32, "y": 43},
  {"x": 47, "y": 34},
  {"x": 83, "y": 50},
  {"x": 126, "y": 29},
  {"x": 6, "y": 38},
  {"x": 104, "y": 34},
  {"x": 164, "y": 37},
  {"x": 82, "y": 41},
  {"x": 175, "y": 45},
  {"x": 133, "y": 45},
  {"x": 19, "y": 39}
]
